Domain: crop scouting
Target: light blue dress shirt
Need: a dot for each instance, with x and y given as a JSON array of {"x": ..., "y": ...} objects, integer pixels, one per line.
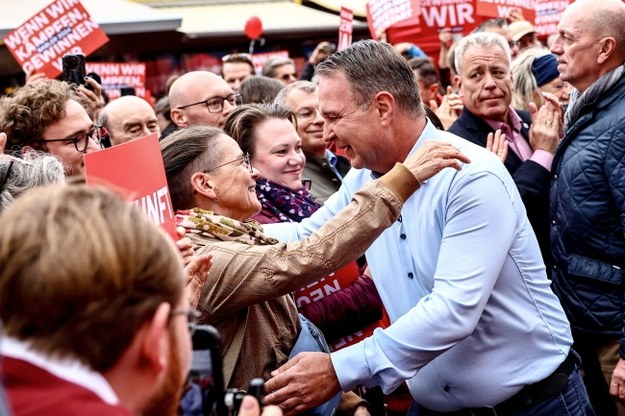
[{"x": 460, "y": 273}]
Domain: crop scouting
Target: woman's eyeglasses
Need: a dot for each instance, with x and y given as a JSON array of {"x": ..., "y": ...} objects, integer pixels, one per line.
[{"x": 245, "y": 159}]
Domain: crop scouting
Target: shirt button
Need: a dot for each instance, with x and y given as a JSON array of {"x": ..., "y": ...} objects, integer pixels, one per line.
[
  {"x": 555, "y": 177},
  {"x": 553, "y": 222},
  {"x": 402, "y": 236},
  {"x": 410, "y": 275},
  {"x": 446, "y": 388}
]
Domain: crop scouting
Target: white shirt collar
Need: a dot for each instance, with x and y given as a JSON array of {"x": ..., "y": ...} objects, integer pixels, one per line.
[{"x": 67, "y": 369}]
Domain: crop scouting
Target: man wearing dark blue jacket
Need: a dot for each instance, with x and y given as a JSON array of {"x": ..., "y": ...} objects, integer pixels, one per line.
[{"x": 588, "y": 195}]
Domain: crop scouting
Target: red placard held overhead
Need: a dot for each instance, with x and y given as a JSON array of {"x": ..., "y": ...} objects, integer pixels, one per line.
[
  {"x": 62, "y": 27},
  {"x": 382, "y": 14},
  {"x": 259, "y": 59},
  {"x": 345, "y": 28},
  {"x": 135, "y": 169},
  {"x": 502, "y": 8},
  {"x": 118, "y": 75},
  {"x": 548, "y": 14}
]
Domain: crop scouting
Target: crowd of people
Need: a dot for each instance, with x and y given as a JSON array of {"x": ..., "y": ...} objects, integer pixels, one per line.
[{"x": 474, "y": 207}]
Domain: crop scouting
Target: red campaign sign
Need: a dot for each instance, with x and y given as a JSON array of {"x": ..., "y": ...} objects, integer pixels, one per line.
[
  {"x": 117, "y": 75},
  {"x": 333, "y": 283},
  {"x": 501, "y": 8},
  {"x": 382, "y": 14},
  {"x": 548, "y": 14},
  {"x": 135, "y": 169},
  {"x": 459, "y": 15},
  {"x": 345, "y": 28},
  {"x": 62, "y": 27},
  {"x": 259, "y": 59}
]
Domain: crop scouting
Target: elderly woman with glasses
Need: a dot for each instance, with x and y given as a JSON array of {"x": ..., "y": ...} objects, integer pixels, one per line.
[
  {"x": 268, "y": 134},
  {"x": 248, "y": 293}
]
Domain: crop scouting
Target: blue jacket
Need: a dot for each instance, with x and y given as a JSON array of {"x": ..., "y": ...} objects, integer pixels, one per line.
[{"x": 588, "y": 218}]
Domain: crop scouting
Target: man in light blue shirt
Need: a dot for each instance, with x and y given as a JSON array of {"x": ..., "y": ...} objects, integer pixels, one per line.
[{"x": 475, "y": 327}]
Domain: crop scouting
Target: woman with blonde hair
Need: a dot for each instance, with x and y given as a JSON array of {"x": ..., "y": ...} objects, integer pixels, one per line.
[{"x": 535, "y": 71}]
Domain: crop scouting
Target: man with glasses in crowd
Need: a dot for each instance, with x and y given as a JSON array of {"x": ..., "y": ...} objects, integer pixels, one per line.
[
  {"x": 323, "y": 168},
  {"x": 236, "y": 68},
  {"x": 47, "y": 116},
  {"x": 201, "y": 98}
]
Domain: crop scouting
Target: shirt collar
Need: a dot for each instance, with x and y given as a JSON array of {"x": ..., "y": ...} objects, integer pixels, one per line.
[
  {"x": 513, "y": 118},
  {"x": 67, "y": 369}
]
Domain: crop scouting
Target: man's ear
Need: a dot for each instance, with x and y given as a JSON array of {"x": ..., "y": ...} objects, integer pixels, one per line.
[
  {"x": 154, "y": 348},
  {"x": 179, "y": 117},
  {"x": 458, "y": 83},
  {"x": 608, "y": 47},
  {"x": 203, "y": 185},
  {"x": 383, "y": 102},
  {"x": 434, "y": 89}
]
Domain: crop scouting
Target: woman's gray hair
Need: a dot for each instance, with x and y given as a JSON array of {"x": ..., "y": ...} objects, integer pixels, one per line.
[
  {"x": 525, "y": 85},
  {"x": 482, "y": 39},
  {"x": 185, "y": 152},
  {"x": 370, "y": 67},
  {"x": 20, "y": 175},
  {"x": 284, "y": 93}
]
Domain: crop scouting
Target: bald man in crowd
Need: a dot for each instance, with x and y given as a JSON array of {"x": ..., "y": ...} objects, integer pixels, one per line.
[
  {"x": 127, "y": 118},
  {"x": 201, "y": 98},
  {"x": 588, "y": 195}
]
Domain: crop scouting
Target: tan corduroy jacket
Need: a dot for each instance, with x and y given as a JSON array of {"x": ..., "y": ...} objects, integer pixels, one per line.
[{"x": 248, "y": 293}]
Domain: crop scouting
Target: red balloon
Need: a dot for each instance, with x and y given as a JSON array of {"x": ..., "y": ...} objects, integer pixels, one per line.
[{"x": 253, "y": 28}]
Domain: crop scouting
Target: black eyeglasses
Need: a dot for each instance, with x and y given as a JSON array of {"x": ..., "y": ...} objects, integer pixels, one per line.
[
  {"x": 216, "y": 104},
  {"x": 192, "y": 317},
  {"x": 81, "y": 141},
  {"x": 245, "y": 159}
]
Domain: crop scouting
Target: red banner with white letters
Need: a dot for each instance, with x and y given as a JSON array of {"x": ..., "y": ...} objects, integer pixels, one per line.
[
  {"x": 333, "y": 283},
  {"x": 135, "y": 170},
  {"x": 346, "y": 26},
  {"x": 548, "y": 14},
  {"x": 62, "y": 27},
  {"x": 118, "y": 75},
  {"x": 382, "y": 14},
  {"x": 502, "y": 8}
]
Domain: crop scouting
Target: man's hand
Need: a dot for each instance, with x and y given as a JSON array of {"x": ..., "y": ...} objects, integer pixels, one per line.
[
  {"x": 432, "y": 157},
  {"x": 92, "y": 100},
  {"x": 302, "y": 383},
  {"x": 450, "y": 108},
  {"x": 321, "y": 52},
  {"x": 196, "y": 267},
  {"x": 515, "y": 15},
  {"x": 617, "y": 384},
  {"x": 35, "y": 77},
  {"x": 250, "y": 407},
  {"x": 546, "y": 124},
  {"x": 497, "y": 144},
  {"x": 445, "y": 38}
]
